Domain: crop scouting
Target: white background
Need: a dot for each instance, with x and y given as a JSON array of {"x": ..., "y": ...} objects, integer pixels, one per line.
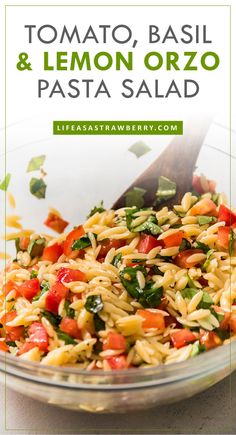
[{"x": 84, "y": 170}]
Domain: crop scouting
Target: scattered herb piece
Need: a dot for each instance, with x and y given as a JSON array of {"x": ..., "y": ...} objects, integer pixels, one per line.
[
  {"x": 222, "y": 333},
  {"x": 197, "y": 348},
  {"x": 139, "y": 149},
  {"x": 135, "y": 197},
  {"x": 205, "y": 248},
  {"x": 11, "y": 343},
  {"x": 185, "y": 244},
  {"x": 157, "y": 271},
  {"x": 150, "y": 226},
  {"x": 232, "y": 238},
  {"x": 94, "y": 304},
  {"x": 5, "y": 183},
  {"x": 65, "y": 337},
  {"x": 97, "y": 209},
  {"x": 54, "y": 319},
  {"x": 206, "y": 301},
  {"x": 117, "y": 260},
  {"x": 33, "y": 274},
  {"x": 166, "y": 189},
  {"x": 35, "y": 163},
  {"x": 215, "y": 197},
  {"x": 44, "y": 288},
  {"x": 208, "y": 259},
  {"x": 70, "y": 312},
  {"x": 129, "y": 213},
  {"x": 17, "y": 244},
  {"x": 218, "y": 316},
  {"x": 36, "y": 247},
  {"x": 38, "y": 187},
  {"x": 151, "y": 296},
  {"x": 203, "y": 220},
  {"x": 99, "y": 324},
  {"x": 82, "y": 243}
]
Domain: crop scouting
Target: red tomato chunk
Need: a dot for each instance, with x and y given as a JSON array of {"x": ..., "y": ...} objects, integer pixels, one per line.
[
  {"x": 29, "y": 288},
  {"x": 147, "y": 243},
  {"x": 68, "y": 275},
  {"x": 12, "y": 332},
  {"x": 107, "y": 244},
  {"x": 151, "y": 319},
  {"x": 55, "y": 295},
  {"x": 38, "y": 336},
  {"x": 56, "y": 223},
  {"x": 182, "y": 338},
  {"x": 70, "y": 327},
  {"x": 52, "y": 253},
  {"x": 117, "y": 362},
  {"x": 114, "y": 341},
  {"x": 70, "y": 239}
]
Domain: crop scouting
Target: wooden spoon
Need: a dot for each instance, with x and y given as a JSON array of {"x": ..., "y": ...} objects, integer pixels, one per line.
[{"x": 176, "y": 162}]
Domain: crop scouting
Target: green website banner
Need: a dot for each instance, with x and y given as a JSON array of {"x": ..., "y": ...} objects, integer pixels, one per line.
[{"x": 118, "y": 127}]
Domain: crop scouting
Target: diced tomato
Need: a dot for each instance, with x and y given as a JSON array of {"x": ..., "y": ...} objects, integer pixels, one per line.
[
  {"x": 152, "y": 319},
  {"x": 224, "y": 324},
  {"x": 56, "y": 223},
  {"x": 38, "y": 335},
  {"x": 55, "y": 295},
  {"x": 114, "y": 341},
  {"x": 182, "y": 338},
  {"x": 24, "y": 243},
  {"x": 70, "y": 239},
  {"x": 3, "y": 346},
  {"x": 117, "y": 362},
  {"x": 174, "y": 239},
  {"x": 12, "y": 332},
  {"x": 70, "y": 327},
  {"x": 29, "y": 288},
  {"x": 147, "y": 243},
  {"x": 198, "y": 187},
  {"x": 210, "y": 339},
  {"x": 232, "y": 323},
  {"x": 25, "y": 348},
  {"x": 163, "y": 304},
  {"x": 181, "y": 259},
  {"x": 9, "y": 286},
  {"x": 107, "y": 244},
  {"x": 68, "y": 275},
  {"x": 203, "y": 207},
  {"x": 52, "y": 253},
  {"x": 226, "y": 215},
  {"x": 223, "y": 237},
  {"x": 169, "y": 320}
]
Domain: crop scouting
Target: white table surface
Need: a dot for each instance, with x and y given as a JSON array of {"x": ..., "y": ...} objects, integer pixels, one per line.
[{"x": 205, "y": 413}]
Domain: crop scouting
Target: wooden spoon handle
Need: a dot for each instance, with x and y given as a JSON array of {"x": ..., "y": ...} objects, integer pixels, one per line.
[{"x": 176, "y": 162}]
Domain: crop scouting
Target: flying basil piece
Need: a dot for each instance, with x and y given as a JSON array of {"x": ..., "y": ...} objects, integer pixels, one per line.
[
  {"x": 203, "y": 220},
  {"x": 117, "y": 260},
  {"x": 206, "y": 301},
  {"x": 38, "y": 187},
  {"x": 150, "y": 226},
  {"x": 139, "y": 149},
  {"x": 5, "y": 182},
  {"x": 166, "y": 189},
  {"x": 94, "y": 304},
  {"x": 35, "y": 163},
  {"x": 36, "y": 247},
  {"x": 135, "y": 197},
  {"x": 65, "y": 337},
  {"x": 97, "y": 209},
  {"x": 82, "y": 243}
]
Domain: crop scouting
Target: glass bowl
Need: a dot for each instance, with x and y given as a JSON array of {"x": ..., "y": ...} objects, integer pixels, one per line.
[{"x": 121, "y": 390}]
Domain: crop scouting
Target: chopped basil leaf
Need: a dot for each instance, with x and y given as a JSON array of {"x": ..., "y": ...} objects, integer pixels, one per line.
[
  {"x": 157, "y": 271},
  {"x": 149, "y": 226},
  {"x": 33, "y": 274},
  {"x": 206, "y": 301},
  {"x": 44, "y": 288},
  {"x": 117, "y": 260},
  {"x": 218, "y": 316},
  {"x": 129, "y": 216},
  {"x": 208, "y": 259},
  {"x": 94, "y": 304},
  {"x": 5, "y": 183},
  {"x": 97, "y": 348},
  {"x": 70, "y": 312},
  {"x": 203, "y": 220},
  {"x": 149, "y": 297},
  {"x": 35, "y": 163},
  {"x": 36, "y": 247},
  {"x": 81, "y": 243},
  {"x": 167, "y": 259},
  {"x": 11, "y": 343},
  {"x": 54, "y": 319},
  {"x": 128, "y": 277},
  {"x": 97, "y": 209},
  {"x": 38, "y": 187},
  {"x": 202, "y": 246},
  {"x": 65, "y": 337},
  {"x": 232, "y": 238},
  {"x": 135, "y": 197},
  {"x": 190, "y": 282},
  {"x": 99, "y": 324},
  {"x": 185, "y": 244},
  {"x": 166, "y": 189},
  {"x": 139, "y": 149},
  {"x": 17, "y": 244},
  {"x": 215, "y": 197},
  {"x": 180, "y": 213}
]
